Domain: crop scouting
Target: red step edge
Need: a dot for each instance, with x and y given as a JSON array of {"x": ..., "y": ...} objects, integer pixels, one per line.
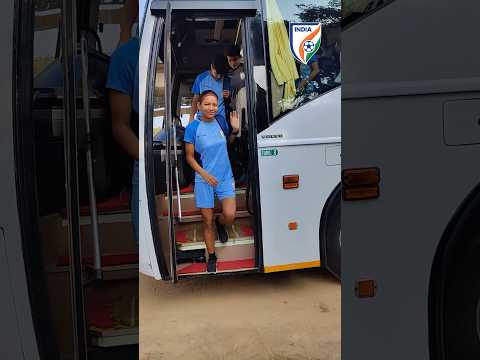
[
  {"x": 118, "y": 203},
  {"x": 221, "y": 266}
]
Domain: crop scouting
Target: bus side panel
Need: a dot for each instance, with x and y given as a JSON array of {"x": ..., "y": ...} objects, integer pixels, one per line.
[
  {"x": 304, "y": 142},
  {"x": 9, "y": 331},
  {"x": 427, "y": 181},
  {"x": 285, "y": 249}
]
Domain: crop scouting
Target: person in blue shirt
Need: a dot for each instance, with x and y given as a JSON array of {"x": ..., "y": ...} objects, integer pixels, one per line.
[
  {"x": 213, "y": 80},
  {"x": 122, "y": 82},
  {"x": 312, "y": 72},
  {"x": 214, "y": 176}
]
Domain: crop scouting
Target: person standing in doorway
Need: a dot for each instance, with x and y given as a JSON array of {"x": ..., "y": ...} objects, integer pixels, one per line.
[
  {"x": 214, "y": 176},
  {"x": 213, "y": 80},
  {"x": 122, "y": 82}
]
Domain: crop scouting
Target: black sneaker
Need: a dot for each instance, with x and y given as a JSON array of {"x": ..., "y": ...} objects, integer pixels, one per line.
[
  {"x": 221, "y": 231},
  {"x": 212, "y": 264}
]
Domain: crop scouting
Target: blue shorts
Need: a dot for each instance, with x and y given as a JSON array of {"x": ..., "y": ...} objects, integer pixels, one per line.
[{"x": 205, "y": 193}]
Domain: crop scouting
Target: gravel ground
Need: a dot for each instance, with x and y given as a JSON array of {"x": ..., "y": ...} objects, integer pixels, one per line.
[{"x": 293, "y": 315}]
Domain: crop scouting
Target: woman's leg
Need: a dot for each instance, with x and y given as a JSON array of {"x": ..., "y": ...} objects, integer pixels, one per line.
[
  {"x": 208, "y": 229},
  {"x": 229, "y": 208}
]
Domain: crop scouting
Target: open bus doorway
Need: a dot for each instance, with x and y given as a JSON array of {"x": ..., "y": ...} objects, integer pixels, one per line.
[{"x": 195, "y": 41}]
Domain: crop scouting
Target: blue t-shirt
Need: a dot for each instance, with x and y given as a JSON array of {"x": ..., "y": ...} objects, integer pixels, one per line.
[
  {"x": 210, "y": 142},
  {"x": 205, "y": 81},
  {"x": 123, "y": 70}
]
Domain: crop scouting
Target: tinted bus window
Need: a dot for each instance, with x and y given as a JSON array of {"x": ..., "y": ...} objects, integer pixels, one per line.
[
  {"x": 116, "y": 23},
  {"x": 293, "y": 83},
  {"x": 46, "y": 20},
  {"x": 353, "y": 10}
]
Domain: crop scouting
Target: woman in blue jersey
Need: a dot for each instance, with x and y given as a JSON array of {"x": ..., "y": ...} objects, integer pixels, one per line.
[{"x": 214, "y": 176}]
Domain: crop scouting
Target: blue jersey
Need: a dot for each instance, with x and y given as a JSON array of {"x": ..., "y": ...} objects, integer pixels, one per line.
[
  {"x": 123, "y": 70},
  {"x": 210, "y": 142},
  {"x": 205, "y": 81}
]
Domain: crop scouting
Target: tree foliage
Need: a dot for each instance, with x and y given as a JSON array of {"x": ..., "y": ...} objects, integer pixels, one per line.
[{"x": 320, "y": 14}]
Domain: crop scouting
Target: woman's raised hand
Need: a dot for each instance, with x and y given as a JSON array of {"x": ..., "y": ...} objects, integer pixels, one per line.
[
  {"x": 234, "y": 121},
  {"x": 211, "y": 180}
]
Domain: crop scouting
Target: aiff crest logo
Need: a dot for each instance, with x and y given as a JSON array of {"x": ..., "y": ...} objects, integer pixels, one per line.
[{"x": 305, "y": 39}]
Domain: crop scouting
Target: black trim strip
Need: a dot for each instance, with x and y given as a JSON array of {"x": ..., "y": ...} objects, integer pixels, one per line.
[
  {"x": 268, "y": 68},
  {"x": 167, "y": 58},
  {"x": 71, "y": 175},
  {"x": 25, "y": 177},
  {"x": 254, "y": 182},
  {"x": 241, "y": 7},
  {"x": 148, "y": 150}
]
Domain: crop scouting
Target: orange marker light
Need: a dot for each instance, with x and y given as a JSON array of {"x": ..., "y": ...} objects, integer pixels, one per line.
[
  {"x": 360, "y": 184},
  {"x": 292, "y": 225},
  {"x": 291, "y": 181},
  {"x": 366, "y": 288}
]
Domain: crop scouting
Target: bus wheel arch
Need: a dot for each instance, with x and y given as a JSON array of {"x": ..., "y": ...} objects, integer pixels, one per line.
[
  {"x": 454, "y": 291},
  {"x": 330, "y": 233}
]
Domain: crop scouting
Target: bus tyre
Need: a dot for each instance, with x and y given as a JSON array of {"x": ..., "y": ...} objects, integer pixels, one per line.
[
  {"x": 462, "y": 297},
  {"x": 332, "y": 235}
]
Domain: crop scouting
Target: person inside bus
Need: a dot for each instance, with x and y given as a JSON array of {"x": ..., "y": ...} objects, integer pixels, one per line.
[
  {"x": 213, "y": 80},
  {"x": 122, "y": 83},
  {"x": 309, "y": 73},
  {"x": 236, "y": 81},
  {"x": 214, "y": 176}
]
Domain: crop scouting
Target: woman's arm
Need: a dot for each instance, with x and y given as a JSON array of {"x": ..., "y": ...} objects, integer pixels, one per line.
[
  {"x": 190, "y": 154},
  {"x": 235, "y": 124},
  {"x": 121, "y": 107}
]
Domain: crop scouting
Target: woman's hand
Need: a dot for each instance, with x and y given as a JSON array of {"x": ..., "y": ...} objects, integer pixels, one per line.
[
  {"x": 235, "y": 122},
  {"x": 211, "y": 180},
  {"x": 226, "y": 93}
]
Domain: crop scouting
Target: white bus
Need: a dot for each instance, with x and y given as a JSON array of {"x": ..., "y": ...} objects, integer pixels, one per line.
[
  {"x": 411, "y": 180},
  {"x": 286, "y": 162}
]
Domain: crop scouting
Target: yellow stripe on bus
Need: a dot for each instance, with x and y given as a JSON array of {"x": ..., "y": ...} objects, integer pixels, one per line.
[{"x": 295, "y": 266}]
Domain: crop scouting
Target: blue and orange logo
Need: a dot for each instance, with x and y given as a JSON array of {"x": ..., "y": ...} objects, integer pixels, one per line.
[{"x": 305, "y": 40}]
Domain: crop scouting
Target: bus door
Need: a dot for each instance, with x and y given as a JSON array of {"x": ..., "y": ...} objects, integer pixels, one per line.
[{"x": 158, "y": 173}]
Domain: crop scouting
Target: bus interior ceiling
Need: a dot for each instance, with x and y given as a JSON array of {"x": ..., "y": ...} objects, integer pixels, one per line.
[
  {"x": 194, "y": 42},
  {"x": 112, "y": 178}
]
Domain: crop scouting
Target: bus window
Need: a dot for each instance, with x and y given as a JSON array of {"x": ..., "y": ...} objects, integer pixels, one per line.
[
  {"x": 46, "y": 20},
  {"x": 292, "y": 83},
  {"x": 353, "y": 10},
  {"x": 115, "y": 23}
]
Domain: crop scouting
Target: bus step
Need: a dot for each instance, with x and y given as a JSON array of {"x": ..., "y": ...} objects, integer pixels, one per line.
[
  {"x": 222, "y": 267},
  {"x": 197, "y": 217},
  {"x": 189, "y": 236},
  {"x": 188, "y": 202}
]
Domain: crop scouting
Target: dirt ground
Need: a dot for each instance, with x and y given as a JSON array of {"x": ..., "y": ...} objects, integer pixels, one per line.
[{"x": 292, "y": 315}]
